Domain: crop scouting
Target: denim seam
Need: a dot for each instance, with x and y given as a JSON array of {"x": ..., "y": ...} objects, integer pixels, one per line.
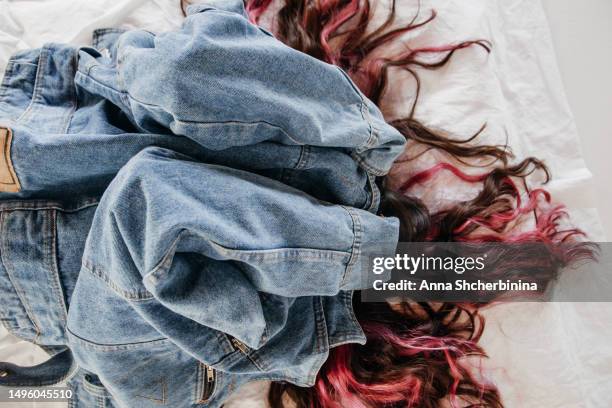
[
  {"x": 253, "y": 357},
  {"x": 64, "y": 121},
  {"x": 362, "y": 110},
  {"x": 99, "y": 33},
  {"x": 322, "y": 342},
  {"x": 35, "y": 205},
  {"x": 345, "y": 338},
  {"x": 230, "y": 357},
  {"x": 371, "y": 143},
  {"x": 86, "y": 77},
  {"x": 372, "y": 134},
  {"x": 73, "y": 96},
  {"x": 224, "y": 342},
  {"x": 8, "y": 75},
  {"x": 198, "y": 388},
  {"x": 42, "y": 60},
  {"x": 160, "y": 270},
  {"x": 311, "y": 377},
  {"x": 54, "y": 268},
  {"x": 164, "y": 392},
  {"x": 8, "y": 267},
  {"x": 281, "y": 254},
  {"x": 356, "y": 246},
  {"x": 138, "y": 295},
  {"x": 303, "y": 160},
  {"x": 375, "y": 192},
  {"x": 94, "y": 390},
  {"x": 367, "y": 166},
  {"x": 113, "y": 347},
  {"x": 348, "y": 302}
]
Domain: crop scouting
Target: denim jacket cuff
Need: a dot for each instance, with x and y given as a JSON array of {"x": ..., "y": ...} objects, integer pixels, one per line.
[{"x": 373, "y": 236}]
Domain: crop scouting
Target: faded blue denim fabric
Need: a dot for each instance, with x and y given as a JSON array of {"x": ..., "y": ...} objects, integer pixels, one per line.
[
  {"x": 224, "y": 82},
  {"x": 52, "y": 163},
  {"x": 191, "y": 214}
]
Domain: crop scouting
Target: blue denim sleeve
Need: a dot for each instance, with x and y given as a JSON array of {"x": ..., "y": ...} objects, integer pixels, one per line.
[
  {"x": 224, "y": 82},
  {"x": 190, "y": 233}
]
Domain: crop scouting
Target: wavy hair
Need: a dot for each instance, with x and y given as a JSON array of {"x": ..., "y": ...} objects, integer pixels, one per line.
[{"x": 418, "y": 355}]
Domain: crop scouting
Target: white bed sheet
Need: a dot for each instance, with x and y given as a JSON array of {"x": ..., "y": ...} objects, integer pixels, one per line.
[{"x": 542, "y": 355}]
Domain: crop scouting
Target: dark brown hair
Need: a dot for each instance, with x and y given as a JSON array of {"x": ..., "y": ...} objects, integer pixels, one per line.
[{"x": 417, "y": 355}]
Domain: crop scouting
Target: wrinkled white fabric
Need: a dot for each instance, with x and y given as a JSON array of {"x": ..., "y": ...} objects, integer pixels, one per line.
[{"x": 542, "y": 355}]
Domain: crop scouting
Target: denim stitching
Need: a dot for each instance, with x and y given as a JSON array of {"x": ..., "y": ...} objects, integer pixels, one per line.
[
  {"x": 164, "y": 396},
  {"x": 113, "y": 347},
  {"x": 8, "y": 75},
  {"x": 321, "y": 326},
  {"x": 8, "y": 266},
  {"x": 42, "y": 60},
  {"x": 161, "y": 269},
  {"x": 95, "y": 390},
  {"x": 64, "y": 120},
  {"x": 99, "y": 33},
  {"x": 355, "y": 251},
  {"x": 305, "y": 154},
  {"x": 364, "y": 111},
  {"x": 349, "y": 337},
  {"x": 223, "y": 341},
  {"x": 367, "y": 166},
  {"x": 311, "y": 377},
  {"x": 228, "y": 122},
  {"x": 137, "y": 295},
  {"x": 73, "y": 97},
  {"x": 197, "y": 390},
  {"x": 54, "y": 268},
  {"x": 283, "y": 254},
  {"x": 257, "y": 361},
  {"x": 375, "y": 192},
  {"x": 46, "y": 205}
]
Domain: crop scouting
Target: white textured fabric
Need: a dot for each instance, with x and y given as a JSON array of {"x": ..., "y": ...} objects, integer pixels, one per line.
[{"x": 542, "y": 355}]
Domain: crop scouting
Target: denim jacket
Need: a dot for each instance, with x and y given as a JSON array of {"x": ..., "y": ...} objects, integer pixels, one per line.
[{"x": 186, "y": 212}]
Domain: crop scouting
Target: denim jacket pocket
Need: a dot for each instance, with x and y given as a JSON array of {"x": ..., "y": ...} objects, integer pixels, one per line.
[
  {"x": 94, "y": 386},
  {"x": 37, "y": 272},
  {"x": 31, "y": 291},
  {"x": 145, "y": 375}
]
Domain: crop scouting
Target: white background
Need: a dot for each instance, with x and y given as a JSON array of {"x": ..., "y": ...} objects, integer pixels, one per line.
[{"x": 582, "y": 34}]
